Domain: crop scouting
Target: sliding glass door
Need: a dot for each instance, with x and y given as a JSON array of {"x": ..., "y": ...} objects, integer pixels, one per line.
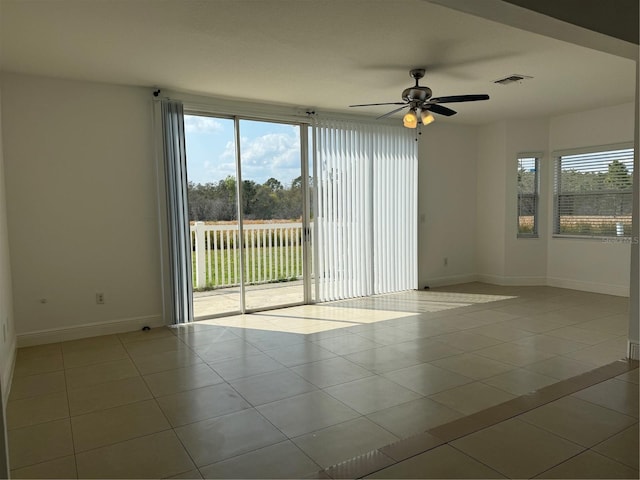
[{"x": 247, "y": 211}]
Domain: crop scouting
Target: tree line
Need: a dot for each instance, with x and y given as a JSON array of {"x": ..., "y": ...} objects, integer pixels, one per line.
[{"x": 268, "y": 201}]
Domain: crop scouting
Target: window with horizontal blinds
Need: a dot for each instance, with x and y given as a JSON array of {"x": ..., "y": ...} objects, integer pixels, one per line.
[
  {"x": 365, "y": 209},
  {"x": 528, "y": 196},
  {"x": 593, "y": 193}
]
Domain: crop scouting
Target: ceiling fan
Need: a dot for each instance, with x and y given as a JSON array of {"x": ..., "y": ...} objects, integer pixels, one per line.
[{"x": 420, "y": 103}]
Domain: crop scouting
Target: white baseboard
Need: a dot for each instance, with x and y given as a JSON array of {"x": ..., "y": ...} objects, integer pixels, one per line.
[
  {"x": 605, "y": 288},
  {"x": 633, "y": 350},
  {"x": 451, "y": 280},
  {"x": 512, "y": 281},
  {"x": 88, "y": 330},
  {"x": 7, "y": 371}
]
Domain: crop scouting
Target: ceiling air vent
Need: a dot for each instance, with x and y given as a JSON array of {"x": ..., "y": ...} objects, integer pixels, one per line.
[{"x": 513, "y": 78}]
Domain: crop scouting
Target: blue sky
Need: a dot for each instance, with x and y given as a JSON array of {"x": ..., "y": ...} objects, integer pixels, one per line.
[{"x": 268, "y": 150}]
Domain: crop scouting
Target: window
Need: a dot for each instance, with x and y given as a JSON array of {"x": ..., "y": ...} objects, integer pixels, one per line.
[
  {"x": 593, "y": 193},
  {"x": 528, "y": 182}
]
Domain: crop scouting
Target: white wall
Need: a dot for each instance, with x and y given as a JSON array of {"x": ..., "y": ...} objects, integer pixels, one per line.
[
  {"x": 7, "y": 324},
  {"x": 491, "y": 202},
  {"x": 7, "y": 327},
  {"x": 446, "y": 204},
  {"x": 82, "y": 208},
  {"x": 589, "y": 264},
  {"x": 525, "y": 258}
]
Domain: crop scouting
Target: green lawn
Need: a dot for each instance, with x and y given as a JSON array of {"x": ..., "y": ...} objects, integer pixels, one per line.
[{"x": 261, "y": 266}]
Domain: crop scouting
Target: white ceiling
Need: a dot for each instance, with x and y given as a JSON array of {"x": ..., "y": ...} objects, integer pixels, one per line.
[{"x": 324, "y": 54}]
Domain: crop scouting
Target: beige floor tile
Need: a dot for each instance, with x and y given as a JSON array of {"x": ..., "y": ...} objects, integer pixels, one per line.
[
  {"x": 93, "y": 355},
  {"x": 535, "y": 324},
  {"x": 472, "y": 397},
  {"x": 500, "y": 331},
  {"x": 34, "y": 385},
  {"x": 117, "y": 424},
  {"x": 144, "y": 335},
  {"x": 201, "y": 404},
  {"x": 371, "y": 394},
  {"x": 38, "y": 364},
  {"x": 590, "y": 464},
  {"x": 106, "y": 395},
  {"x": 441, "y": 462},
  {"x": 518, "y": 355},
  {"x": 473, "y": 366},
  {"x": 159, "y": 362},
  {"x": 89, "y": 343},
  {"x": 343, "y": 441},
  {"x": 617, "y": 324},
  {"x": 630, "y": 376},
  {"x": 550, "y": 344},
  {"x": 299, "y": 354},
  {"x": 146, "y": 347},
  {"x": 506, "y": 447},
  {"x": 268, "y": 340},
  {"x": 614, "y": 394},
  {"x": 385, "y": 359},
  {"x": 282, "y": 460},
  {"x": 602, "y": 353},
  {"x": 154, "y": 456},
  {"x": 235, "y": 348},
  {"x": 40, "y": 409},
  {"x": 201, "y": 338},
  {"x": 217, "y": 439},
  {"x": 581, "y": 335},
  {"x": 247, "y": 366},
  {"x": 519, "y": 381},
  {"x": 560, "y": 367},
  {"x": 39, "y": 443},
  {"x": 100, "y": 373},
  {"x": 579, "y": 421},
  {"x": 332, "y": 371},
  {"x": 467, "y": 341},
  {"x": 38, "y": 351},
  {"x": 181, "y": 379},
  {"x": 386, "y": 335},
  {"x": 269, "y": 387},
  {"x": 306, "y": 413},
  {"x": 191, "y": 474},
  {"x": 622, "y": 447},
  {"x": 426, "y": 379},
  {"x": 64, "y": 467},
  {"x": 346, "y": 344},
  {"x": 413, "y": 417}
]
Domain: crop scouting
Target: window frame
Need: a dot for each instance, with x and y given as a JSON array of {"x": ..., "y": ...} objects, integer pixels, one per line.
[
  {"x": 556, "y": 183},
  {"x": 536, "y": 156}
]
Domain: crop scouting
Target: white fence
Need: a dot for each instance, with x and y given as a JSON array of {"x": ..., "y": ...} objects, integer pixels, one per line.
[{"x": 273, "y": 252}]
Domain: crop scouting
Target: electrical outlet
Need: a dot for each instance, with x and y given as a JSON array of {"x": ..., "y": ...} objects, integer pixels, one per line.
[
  {"x": 446, "y": 261},
  {"x": 99, "y": 298}
]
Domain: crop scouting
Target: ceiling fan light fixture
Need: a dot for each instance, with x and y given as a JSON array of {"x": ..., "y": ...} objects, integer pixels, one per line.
[
  {"x": 410, "y": 120},
  {"x": 427, "y": 117}
]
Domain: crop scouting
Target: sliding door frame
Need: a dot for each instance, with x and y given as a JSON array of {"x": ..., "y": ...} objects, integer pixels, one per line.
[{"x": 307, "y": 243}]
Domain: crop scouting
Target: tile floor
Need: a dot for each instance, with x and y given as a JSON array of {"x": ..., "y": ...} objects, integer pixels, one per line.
[{"x": 287, "y": 393}]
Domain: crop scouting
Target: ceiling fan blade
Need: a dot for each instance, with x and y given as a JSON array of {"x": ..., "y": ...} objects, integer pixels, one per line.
[
  {"x": 459, "y": 98},
  {"x": 435, "y": 108},
  {"x": 374, "y": 104},
  {"x": 392, "y": 112}
]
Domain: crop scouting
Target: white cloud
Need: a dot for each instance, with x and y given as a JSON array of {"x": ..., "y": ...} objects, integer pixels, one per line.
[
  {"x": 199, "y": 124},
  {"x": 270, "y": 155}
]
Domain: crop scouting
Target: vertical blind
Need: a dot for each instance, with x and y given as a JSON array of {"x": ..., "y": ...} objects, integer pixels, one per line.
[
  {"x": 593, "y": 193},
  {"x": 365, "y": 209},
  {"x": 175, "y": 167}
]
